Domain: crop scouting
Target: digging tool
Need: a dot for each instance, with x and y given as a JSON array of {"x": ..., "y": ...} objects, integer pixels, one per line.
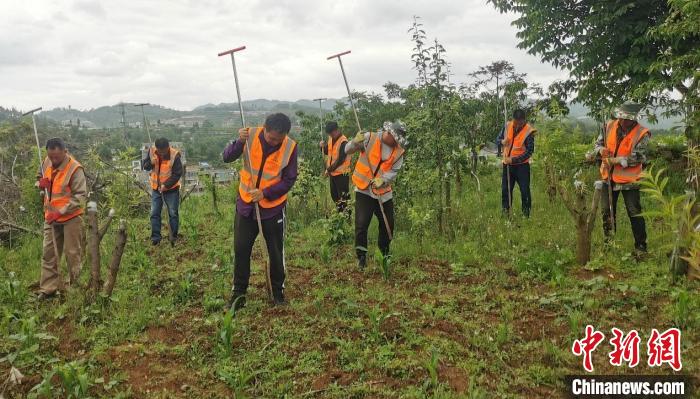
[
  {"x": 320, "y": 115},
  {"x": 347, "y": 86},
  {"x": 46, "y": 191},
  {"x": 510, "y": 193},
  {"x": 359, "y": 129},
  {"x": 247, "y": 155},
  {"x": 505, "y": 127},
  {"x": 145, "y": 124},
  {"x": 609, "y": 180},
  {"x": 171, "y": 235}
]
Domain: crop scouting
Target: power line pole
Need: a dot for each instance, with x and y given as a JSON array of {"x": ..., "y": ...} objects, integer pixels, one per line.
[{"x": 122, "y": 111}]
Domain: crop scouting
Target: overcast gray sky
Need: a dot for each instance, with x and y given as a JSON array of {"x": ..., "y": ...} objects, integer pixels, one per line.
[{"x": 89, "y": 53}]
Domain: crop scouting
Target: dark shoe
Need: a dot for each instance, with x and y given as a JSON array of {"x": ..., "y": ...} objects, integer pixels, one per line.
[
  {"x": 640, "y": 253},
  {"x": 155, "y": 242},
  {"x": 235, "y": 302},
  {"x": 279, "y": 300},
  {"x": 362, "y": 261}
]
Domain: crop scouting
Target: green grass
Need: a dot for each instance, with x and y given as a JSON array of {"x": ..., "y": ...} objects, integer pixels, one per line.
[{"x": 490, "y": 313}]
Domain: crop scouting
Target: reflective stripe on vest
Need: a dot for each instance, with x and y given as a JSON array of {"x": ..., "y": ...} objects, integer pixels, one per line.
[
  {"x": 163, "y": 169},
  {"x": 60, "y": 192},
  {"x": 334, "y": 154},
  {"x": 271, "y": 170},
  {"x": 517, "y": 144},
  {"x": 620, "y": 175},
  {"x": 370, "y": 163}
]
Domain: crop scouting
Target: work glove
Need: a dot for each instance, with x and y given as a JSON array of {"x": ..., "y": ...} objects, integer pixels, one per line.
[
  {"x": 377, "y": 182},
  {"x": 52, "y": 217},
  {"x": 257, "y": 195},
  {"x": 44, "y": 183},
  {"x": 507, "y": 160},
  {"x": 359, "y": 138},
  {"x": 604, "y": 152},
  {"x": 322, "y": 144},
  {"x": 622, "y": 161}
]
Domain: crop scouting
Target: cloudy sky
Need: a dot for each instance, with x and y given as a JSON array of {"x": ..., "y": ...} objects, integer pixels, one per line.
[{"x": 89, "y": 53}]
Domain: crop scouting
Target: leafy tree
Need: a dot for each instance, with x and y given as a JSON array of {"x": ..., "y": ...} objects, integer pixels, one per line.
[
  {"x": 496, "y": 90},
  {"x": 614, "y": 50}
]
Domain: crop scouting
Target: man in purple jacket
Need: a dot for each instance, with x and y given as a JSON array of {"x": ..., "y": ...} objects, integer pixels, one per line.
[{"x": 268, "y": 173}]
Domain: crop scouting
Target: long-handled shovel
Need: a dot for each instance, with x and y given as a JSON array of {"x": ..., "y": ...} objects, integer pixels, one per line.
[
  {"x": 359, "y": 129},
  {"x": 46, "y": 195},
  {"x": 610, "y": 168},
  {"x": 247, "y": 155},
  {"x": 510, "y": 191},
  {"x": 171, "y": 233}
]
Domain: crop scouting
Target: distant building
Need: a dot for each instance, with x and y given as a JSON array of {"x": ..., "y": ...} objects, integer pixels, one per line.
[
  {"x": 186, "y": 121},
  {"x": 196, "y": 174},
  {"x": 79, "y": 123}
]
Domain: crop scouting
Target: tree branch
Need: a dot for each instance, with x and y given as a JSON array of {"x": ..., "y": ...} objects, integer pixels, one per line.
[
  {"x": 105, "y": 226},
  {"x": 18, "y": 227}
]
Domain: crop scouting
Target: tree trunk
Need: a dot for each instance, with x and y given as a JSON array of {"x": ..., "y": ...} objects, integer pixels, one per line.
[
  {"x": 105, "y": 225},
  {"x": 583, "y": 242},
  {"x": 116, "y": 258},
  {"x": 214, "y": 196},
  {"x": 448, "y": 196},
  {"x": 475, "y": 160},
  {"x": 458, "y": 179},
  {"x": 440, "y": 197},
  {"x": 585, "y": 222},
  {"x": 94, "y": 247}
]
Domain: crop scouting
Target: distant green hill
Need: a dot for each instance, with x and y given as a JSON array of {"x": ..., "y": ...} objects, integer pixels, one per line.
[
  {"x": 580, "y": 112},
  {"x": 218, "y": 114},
  {"x": 223, "y": 113}
]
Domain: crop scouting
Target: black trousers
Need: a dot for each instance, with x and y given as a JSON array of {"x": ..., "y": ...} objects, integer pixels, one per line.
[
  {"x": 518, "y": 174},
  {"x": 365, "y": 208},
  {"x": 245, "y": 232},
  {"x": 340, "y": 191},
  {"x": 633, "y": 204}
]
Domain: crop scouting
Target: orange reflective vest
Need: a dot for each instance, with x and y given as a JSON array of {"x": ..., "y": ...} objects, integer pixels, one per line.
[
  {"x": 516, "y": 143},
  {"x": 59, "y": 196},
  {"x": 370, "y": 163},
  {"x": 162, "y": 169},
  {"x": 262, "y": 173},
  {"x": 334, "y": 154},
  {"x": 630, "y": 174}
]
